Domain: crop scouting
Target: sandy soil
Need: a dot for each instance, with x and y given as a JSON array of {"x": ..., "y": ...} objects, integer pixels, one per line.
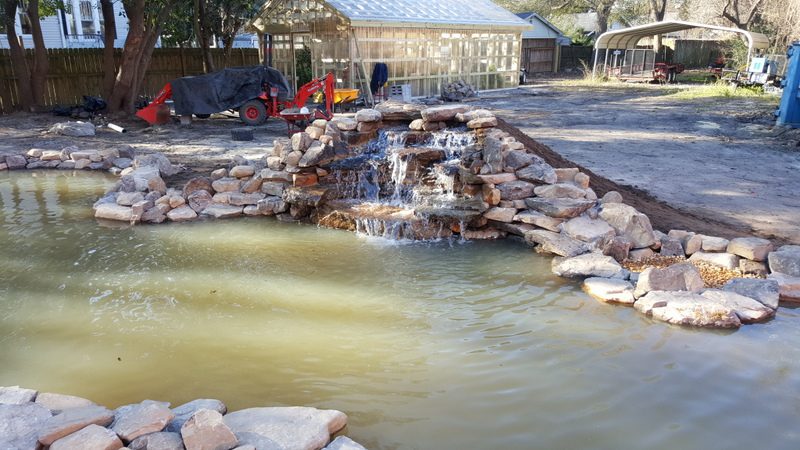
[{"x": 712, "y": 165}]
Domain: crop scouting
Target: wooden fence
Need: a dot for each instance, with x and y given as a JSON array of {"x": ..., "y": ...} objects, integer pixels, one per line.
[
  {"x": 78, "y": 72},
  {"x": 572, "y": 55}
]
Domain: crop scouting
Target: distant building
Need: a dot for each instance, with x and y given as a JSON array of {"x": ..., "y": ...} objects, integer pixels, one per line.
[
  {"x": 78, "y": 25},
  {"x": 541, "y": 46}
]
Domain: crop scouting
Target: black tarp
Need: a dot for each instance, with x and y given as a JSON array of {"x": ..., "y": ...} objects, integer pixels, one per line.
[{"x": 225, "y": 89}]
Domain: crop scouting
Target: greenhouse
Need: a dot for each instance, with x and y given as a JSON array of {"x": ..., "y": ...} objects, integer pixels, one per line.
[{"x": 425, "y": 44}]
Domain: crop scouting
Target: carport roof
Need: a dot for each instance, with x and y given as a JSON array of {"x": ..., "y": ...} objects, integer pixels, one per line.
[{"x": 627, "y": 38}]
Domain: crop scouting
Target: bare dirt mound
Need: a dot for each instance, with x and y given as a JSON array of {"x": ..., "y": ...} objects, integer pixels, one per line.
[{"x": 663, "y": 216}]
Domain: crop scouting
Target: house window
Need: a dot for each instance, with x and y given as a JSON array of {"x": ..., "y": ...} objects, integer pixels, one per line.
[
  {"x": 25, "y": 23},
  {"x": 86, "y": 17}
]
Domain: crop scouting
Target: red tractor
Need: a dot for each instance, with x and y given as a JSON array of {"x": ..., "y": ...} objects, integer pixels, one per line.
[{"x": 257, "y": 110}]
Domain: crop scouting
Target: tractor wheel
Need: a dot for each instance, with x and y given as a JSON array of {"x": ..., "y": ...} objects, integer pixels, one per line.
[
  {"x": 253, "y": 112},
  {"x": 202, "y": 116}
]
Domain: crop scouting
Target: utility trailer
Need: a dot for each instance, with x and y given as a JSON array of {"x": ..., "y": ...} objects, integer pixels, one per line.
[{"x": 641, "y": 65}]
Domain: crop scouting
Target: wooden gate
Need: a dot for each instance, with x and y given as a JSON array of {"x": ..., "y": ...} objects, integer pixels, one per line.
[{"x": 538, "y": 55}]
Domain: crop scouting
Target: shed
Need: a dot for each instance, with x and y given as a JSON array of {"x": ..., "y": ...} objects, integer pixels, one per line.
[
  {"x": 541, "y": 46},
  {"x": 425, "y": 43}
]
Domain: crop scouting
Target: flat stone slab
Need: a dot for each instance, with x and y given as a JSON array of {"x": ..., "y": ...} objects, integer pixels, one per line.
[
  {"x": 205, "y": 430},
  {"x": 556, "y": 243},
  {"x": 747, "y": 309},
  {"x": 93, "y": 437},
  {"x": 560, "y": 208},
  {"x": 789, "y": 286},
  {"x": 72, "y": 420},
  {"x": 20, "y": 423},
  {"x": 677, "y": 277},
  {"x": 157, "y": 441},
  {"x": 725, "y": 260},
  {"x": 60, "y": 402},
  {"x": 767, "y": 292},
  {"x": 629, "y": 222},
  {"x": 752, "y": 248},
  {"x": 132, "y": 421},
  {"x": 220, "y": 211},
  {"x": 785, "y": 260},
  {"x": 587, "y": 229},
  {"x": 344, "y": 443},
  {"x": 588, "y": 265},
  {"x": 610, "y": 290},
  {"x": 540, "y": 220},
  {"x": 15, "y": 395},
  {"x": 300, "y": 428},
  {"x": 185, "y": 411},
  {"x": 687, "y": 308},
  {"x": 560, "y": 190}
]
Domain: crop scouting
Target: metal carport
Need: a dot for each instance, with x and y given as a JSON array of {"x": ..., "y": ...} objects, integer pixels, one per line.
[{"x": 627, "y": 38}]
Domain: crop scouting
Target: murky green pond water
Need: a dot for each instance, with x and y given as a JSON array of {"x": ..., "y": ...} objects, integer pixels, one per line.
[{"x": 424, "y": 346}]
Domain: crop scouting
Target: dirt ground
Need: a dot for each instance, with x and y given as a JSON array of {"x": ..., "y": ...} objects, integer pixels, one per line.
[{"x": 711, "y": 165}]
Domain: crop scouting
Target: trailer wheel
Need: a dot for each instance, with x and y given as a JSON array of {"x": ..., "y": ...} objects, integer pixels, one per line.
[
  {"x": 253, "y": 112},
  {"x": 202, "y": 116}
]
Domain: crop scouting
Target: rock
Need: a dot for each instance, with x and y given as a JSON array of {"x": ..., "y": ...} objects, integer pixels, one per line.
[
  {"x": 205, "y": 430},
  {"x": 457, "y": 91},
  {"x": 51, "y": 155},
  {"x": 74, "y": 129},
  {"x": 19, "y": 425},
  {"x": 725, "y": 260},
  {"x": 610, "y": 290},
  {"x": 16, "y": 162},
  {"x": 293, "y": 159},
  {"x": 240, "y": 199},
  {"x": 550, "y": 242},
  {"x": 687, "y": 308},
  {"x": 132, "y": 421},
  {"x": 129, "y": 198},
  {"x": 671, "y": 247},
  {"x": 182, "y": 214},
  {"x": 93, "y": 437},
  {"x": 472, "y": 115},
  {"x": 483, "y": 122},
  {"x": 501, "y": 214},
  {"x": 416, "y": 125},
  {"x": 443, "y": 113},
  {"x": 497, "y": 178},
  {"x": 630, "y": 223},
  {"x": 346, "y": 124},
  {"x": 301, "y": 141},
  {"x": 275, "y": 162},
  {"x": 585, "y": 229},
  {"x": 566, "y": 175},
  {"x": 714, "y": 244},
  {"x": 15, "y": 395},
  {"x": 141, "y": 177},
  {"x": 767, "y": 292},
  {"x": 588, "y": 265},
  {"x": 483, "y": 234},
  {"x": 538, "y": 172},
  {"x": 562, "y": 208},
  {"x": 540, "y": 220},
  {"x": 72, "y": 420},
  {"x": 677, "y": 277},
  {"x": 156, "y": 184},
  {"x": 365, "y": 115},
  {"x": 785, "y": 260},
  {"x": 123, "y": 163},
  {"x": 156, "y": 214},
  {"x": 112, "y": 211},
  {"x": 560, "y": 190},
  {"x": 789, "y": 286},
  {"x": 219, "y": 173},
  {"x": 315, "y": 132},
  {"x": 199, "y": 200},
  {"x": 692, "y": 244},
  {"x": 368, "y": 127},
  {"x": 618, "y": 248},
  {"x": 197, "y": 184},
  {"x": 755, "y": 249},
  {"x": 298, "y": 428},
  {"x": 493, "y": 154},
  {"x": 640, "y": 254},
  {"x": 304, "y": 179},
  {"x": 219, "y": 211},
  {"x": 226, "y": 185},
  {"x": 165, "y": 168},
  {"x": 271, "y": 206},
  {"x": 344, "y": 443},
  {"x": 83, "y": 164},
  {"x": 753, "y": 267},
  {"x": 185, "y": 411},
  {"x": 611, "y": 197},
  {"x": 517, "y": 159},
  {"x": 273, "y": 188},
  {"x": 242, "y": 171},
  {"x": 251, "y": 210},
  {"x": 581, "y": 180},
  {"x": 157, "y": 441},
  {"x": 306, "y": 196},
  {"x": 59, "y": 402},
  {"x": 272, "y": 175},
  {"x": 36, "y": 153},
  {"x": 36, "y": 165},
  {"x": 317, "y": 154},
  {"x": 515, "y": 190},
  {"x": 747, "y": 309},
  {"x": 67, "y": 165}
]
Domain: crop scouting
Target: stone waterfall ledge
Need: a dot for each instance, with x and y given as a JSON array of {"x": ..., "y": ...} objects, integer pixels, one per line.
[
  {"x": 503, "y": 189},
  {"x": 31, "y": 420}
]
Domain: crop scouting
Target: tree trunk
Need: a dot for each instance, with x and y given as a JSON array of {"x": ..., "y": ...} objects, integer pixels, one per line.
[
  {"x": 658, "y": 9},
  {"x": 40, "y": 63},
  {"x": 109, "y": 67},
  {"x": 18, "y": 62},
  {"x": 603, "y": 14},
  {"x": 202, "y": 32}
]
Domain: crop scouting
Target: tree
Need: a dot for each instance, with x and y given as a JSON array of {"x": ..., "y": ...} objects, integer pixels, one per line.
[
  {"x": 145, "y": 21},
  {"x": 231, "y": 15},
  {"x": 203, "y": 32},
  {"x": 31, "y": 78},
  {"x": 109, "y": 36},
  {"x": 741, "y": 16}
]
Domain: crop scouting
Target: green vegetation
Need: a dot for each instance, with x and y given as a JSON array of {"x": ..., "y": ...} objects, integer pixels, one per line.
[{"x": 719, "y": 89}]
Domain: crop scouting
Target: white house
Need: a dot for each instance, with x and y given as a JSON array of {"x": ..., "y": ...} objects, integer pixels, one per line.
[{"x": 78, "y": 25}]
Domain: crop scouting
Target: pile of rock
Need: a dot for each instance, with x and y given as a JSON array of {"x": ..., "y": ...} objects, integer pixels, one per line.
[
  {"x": 70, "y": 158},
  {"x": 31, "y": 420},
  {"x": 457, "y": 91}
]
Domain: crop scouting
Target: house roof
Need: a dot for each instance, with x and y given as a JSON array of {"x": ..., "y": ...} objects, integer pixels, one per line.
[
  {"x": 627, "y": 38},
  {"x": 532, "y": 16}
]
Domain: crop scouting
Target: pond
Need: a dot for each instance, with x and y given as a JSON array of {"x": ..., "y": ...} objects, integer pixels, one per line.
[{"x": 423, "y": 345}]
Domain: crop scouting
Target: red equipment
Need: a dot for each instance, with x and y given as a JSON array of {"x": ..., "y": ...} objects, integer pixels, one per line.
[{"x": 257, "y": 110}]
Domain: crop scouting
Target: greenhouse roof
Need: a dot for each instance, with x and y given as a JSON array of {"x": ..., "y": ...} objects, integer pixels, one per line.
[{"x": 481, "y": 13}]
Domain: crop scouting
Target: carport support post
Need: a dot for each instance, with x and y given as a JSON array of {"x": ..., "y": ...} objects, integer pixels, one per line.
[
  {"x": 605, "y": 63},
  {"x": 594, "y": 67}
]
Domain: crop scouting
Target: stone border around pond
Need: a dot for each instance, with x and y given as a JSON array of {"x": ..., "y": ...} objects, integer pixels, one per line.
[
  {"x": 513, "y": 192},
  {"x": 31, "y": 420}
]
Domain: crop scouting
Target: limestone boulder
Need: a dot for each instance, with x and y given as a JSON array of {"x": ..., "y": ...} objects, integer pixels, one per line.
[
  {"x": 129, "y": 198},
  {"x": 72, "y": 420},
  {"x": 16, "y": 162},
  {"x": 789, "y": 286},
  {"x": 688, "y": 309},
  {"x": 301, "y": 142},
  {"x": 20, "y": 424},
  {"x": 15, "y": 395},
  {"x": 517, "y": 159},
  {"x": 242, "y": 199},
  {"x": 714, "y": 244},
  {"x": 749, "y": 267},
  {"x": 755, "y": 249},
  {"x": 586, "y": 229},
  {"x": 560, "y": 208},
  {"x": 368, "y": 116},
  {"x": 555, "y": 243},
  {"x": 539, "y": 219},
  {"x": 346, "y": 124},
  {"x": 132, "y": 421},
  {"x": 610, "y": 290},
  {"x": 226, "y": 185},
  {"x": 493, "y": 154},
  {"x": 276, "y": 176},
  {"x": 242, "y": 171},
  {"x": 199, "y": 200},
  {"x": 205, "y": 430},
  {"x": 785, "y": 260},
  {"x": 482, "y": 122},
  {"x": 500, "y": 214},
  {"x": 538, "y": 172},
  {"x": 560, "y": 190},
  {"x": 157, "y": 160},
  {"x": 93, "y": 437},
  {"x": 516, "y": 190},
  {"x": 725, "y": 260},
  {"x": 315, "y": 132},
  {"x": 185, "y": 411},
  {"x": 474, "y": 114},
  {"x": 629, "y": 222},
  {"x": 588, "y": 265},
  {"x": 671, "y": 247},
  {"x": 197, "y": 184},
  {"x": 344, "y": 443},
  {"x": 221, "y": 211},
  {"x": 747, "y": 309},
  {"x": 271, "y": 206},
  {"x": 183, "y": 213},
  {"x": 111, "y": 211},
  {"x": 317, "y": 154},
  {"x": 60, "y": 402},
  {"x": 142, "y": 176},
  {"x": 158, "y": 441},
  {"x": 444, "y": 113},
  {"x": 677, "y": 277},
  {"x": 73, "y": 129},
  {"x": 298, "y": 428},
  {"x": 618, "y": 247},
  {"x": 611, "y": 197}
]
